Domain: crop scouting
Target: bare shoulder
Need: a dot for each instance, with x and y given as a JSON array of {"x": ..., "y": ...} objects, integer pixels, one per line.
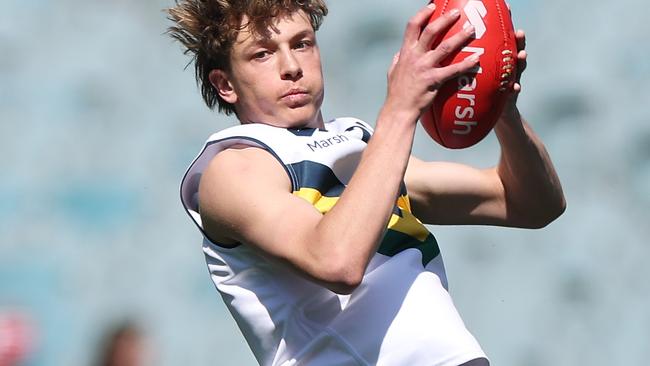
[
  {"x": 231, "y": 178},
  {"x": 241, "y": 160}
]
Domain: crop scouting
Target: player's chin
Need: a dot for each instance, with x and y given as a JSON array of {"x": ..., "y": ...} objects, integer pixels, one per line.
[
  {"x": 300, "y": 116},
  {"x": 301, "y": 120}
]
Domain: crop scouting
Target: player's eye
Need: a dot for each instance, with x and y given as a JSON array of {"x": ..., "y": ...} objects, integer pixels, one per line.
[
  {"x": 303, "y": 44},
  {"x": 261, "y": 54}
]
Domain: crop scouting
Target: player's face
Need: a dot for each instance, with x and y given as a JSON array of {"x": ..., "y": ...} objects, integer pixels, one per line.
[{"x": 277, "y": 80}]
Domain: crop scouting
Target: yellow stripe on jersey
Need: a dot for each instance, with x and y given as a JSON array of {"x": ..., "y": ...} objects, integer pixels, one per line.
[
  {"x": 406, "y": 224},
  {"x": 322, "y": 203},
  {"x": 404, "y": 203}
]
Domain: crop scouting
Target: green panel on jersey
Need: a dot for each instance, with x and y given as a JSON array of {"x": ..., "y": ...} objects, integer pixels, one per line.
[{"x": 394, "y": 242}]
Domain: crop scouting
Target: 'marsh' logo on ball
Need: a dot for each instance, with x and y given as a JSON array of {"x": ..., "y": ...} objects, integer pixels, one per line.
[{"x": 475, "y": 12}]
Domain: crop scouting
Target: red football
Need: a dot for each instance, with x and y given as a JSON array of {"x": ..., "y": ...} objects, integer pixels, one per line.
[{"x": 467, "y": 108}]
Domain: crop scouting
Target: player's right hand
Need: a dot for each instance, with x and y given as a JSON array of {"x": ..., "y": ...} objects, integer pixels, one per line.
[{"x": 416, "y": 74}]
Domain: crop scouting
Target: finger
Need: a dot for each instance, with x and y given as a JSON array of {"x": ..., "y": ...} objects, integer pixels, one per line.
[
  {"x": 520, "y": 36},
  {"x": 522, "y": 63},
  {"x": 456, "y": 69},
  {"x": 452, "y": 44},
  {"x": 433, "y": 29},
  {"x": 522, "y": 60},
  {"x": 416, "y": 23}
]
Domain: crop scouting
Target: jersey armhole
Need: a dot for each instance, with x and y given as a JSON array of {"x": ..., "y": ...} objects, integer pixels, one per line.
[{"x": 190, "y": 182}]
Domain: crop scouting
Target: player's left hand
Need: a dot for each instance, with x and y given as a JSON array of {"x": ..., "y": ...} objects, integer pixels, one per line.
[{"x": 511, "y": 105}]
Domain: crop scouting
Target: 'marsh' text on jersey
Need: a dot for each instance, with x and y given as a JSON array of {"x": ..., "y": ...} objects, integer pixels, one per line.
[{"x": 321, "y": 144}]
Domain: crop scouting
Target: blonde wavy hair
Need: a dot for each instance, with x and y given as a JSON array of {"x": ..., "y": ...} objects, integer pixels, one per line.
[{"x": 207, "y": 30}]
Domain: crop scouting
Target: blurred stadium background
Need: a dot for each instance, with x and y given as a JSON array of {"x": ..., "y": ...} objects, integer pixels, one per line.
[{"x": 98, "y": 121}]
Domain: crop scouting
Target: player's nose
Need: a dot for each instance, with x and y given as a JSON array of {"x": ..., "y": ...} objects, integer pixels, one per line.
[{"x": 290, "y": 68}]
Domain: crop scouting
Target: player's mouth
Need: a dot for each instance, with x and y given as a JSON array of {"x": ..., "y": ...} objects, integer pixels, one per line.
[{"x": 296, "y": 97}]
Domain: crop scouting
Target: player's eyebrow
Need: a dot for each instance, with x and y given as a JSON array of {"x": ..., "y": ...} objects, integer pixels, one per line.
[
  {"x": 268, "y": 41},
  {"x": 303, "y": 34}
]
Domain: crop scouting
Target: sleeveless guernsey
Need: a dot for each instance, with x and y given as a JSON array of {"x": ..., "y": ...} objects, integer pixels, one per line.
[{"x": 401, "y": 314}]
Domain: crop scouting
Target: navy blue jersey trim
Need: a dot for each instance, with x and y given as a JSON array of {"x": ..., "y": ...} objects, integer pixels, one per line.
[
  {"x": 365, "y": 134},
  {"x": 304, "y": 131},
  {"x": 317, "y": 176}
]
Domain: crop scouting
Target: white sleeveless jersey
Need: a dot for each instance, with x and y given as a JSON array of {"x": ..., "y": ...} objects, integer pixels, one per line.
[{"x": 401, "y": 314}]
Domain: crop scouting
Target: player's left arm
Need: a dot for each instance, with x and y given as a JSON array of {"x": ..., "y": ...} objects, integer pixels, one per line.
[{"x": 523, "y": 190}]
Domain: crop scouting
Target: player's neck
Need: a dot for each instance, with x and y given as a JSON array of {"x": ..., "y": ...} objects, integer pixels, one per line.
[{"x": 316, "y": 122}]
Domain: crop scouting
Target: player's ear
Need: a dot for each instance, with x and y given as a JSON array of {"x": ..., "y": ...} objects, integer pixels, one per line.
[{"x": 221, "y": 82}]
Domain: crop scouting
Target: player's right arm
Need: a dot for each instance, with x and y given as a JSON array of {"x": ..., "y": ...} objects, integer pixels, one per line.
[
  {"x": 246, "y": 198},
  {"x": 245, "y": 194}
]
